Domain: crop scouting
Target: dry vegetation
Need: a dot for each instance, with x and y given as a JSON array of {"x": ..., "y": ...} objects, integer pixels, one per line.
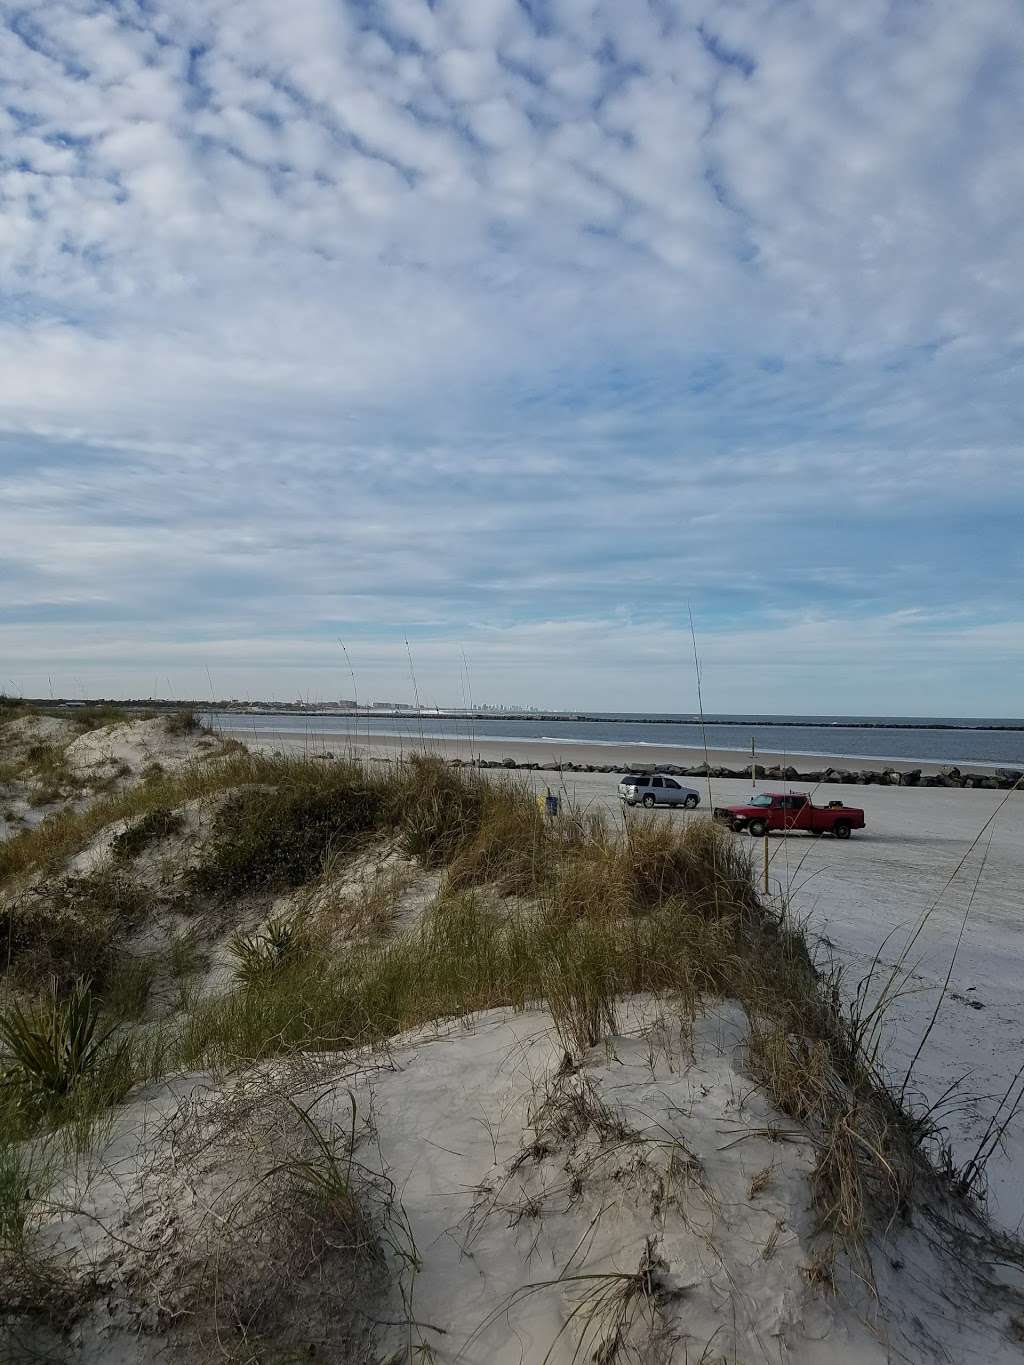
[{"x": 570, "y": 913}]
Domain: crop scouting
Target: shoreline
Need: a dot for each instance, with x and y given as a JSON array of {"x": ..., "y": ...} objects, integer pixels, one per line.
[
  {"x": 627, "y": 750},
  {"x": 640, "y": 718},
  {"x": 570, "y": 755}
]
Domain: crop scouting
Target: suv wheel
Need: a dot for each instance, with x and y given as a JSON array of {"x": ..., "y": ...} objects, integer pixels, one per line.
[
  {"x": 692, "y": 802},
  {"x": 648, "y": 800}
]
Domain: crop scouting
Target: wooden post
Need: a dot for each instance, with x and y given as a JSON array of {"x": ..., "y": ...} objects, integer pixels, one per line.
[
  {"x": 753, "y": 763},
  {"x": 766, "y": 862}
]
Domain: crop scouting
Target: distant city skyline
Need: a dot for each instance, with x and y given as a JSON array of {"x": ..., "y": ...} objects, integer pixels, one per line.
[{"x": 514, "y": 331}]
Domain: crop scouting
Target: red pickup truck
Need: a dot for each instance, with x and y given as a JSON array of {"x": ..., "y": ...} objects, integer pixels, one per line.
[{"x": 791, "y": 811}]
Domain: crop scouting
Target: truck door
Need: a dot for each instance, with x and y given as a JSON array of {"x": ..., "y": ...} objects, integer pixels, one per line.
[{"x": 797, "y": 812}]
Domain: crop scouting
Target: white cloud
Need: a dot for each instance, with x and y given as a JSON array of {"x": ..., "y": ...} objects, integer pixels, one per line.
[{"x": 408, "y": 312}]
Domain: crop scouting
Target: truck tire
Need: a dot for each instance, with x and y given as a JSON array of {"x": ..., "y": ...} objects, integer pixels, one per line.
[
  {"x": 757, "y": 828},
  {"x": 648, "y": 801},
  {"x": 841, "y": 829},
  {"x": 692, "y": 802}
]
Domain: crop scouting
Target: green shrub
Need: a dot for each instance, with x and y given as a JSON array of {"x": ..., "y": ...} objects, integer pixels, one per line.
[
  {"x": 273, "y": 840},
  {"x": 323, "y": 1175},
  {"x": 155, "y": 825},
  {"x": 186, "y": 956},
  {"x": 68, "y": 928}
]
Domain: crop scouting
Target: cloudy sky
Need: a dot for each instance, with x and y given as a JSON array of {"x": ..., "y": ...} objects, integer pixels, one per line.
[{"x": 515, "y": 328}]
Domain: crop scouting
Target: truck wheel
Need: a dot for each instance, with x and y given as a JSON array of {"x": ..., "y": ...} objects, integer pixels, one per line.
[
  {"x": 692, "y": 802},
  {"x": 648, "y": 801},
  {"x": 757, "y": 828},
  {"x": 841, "y": 829}
]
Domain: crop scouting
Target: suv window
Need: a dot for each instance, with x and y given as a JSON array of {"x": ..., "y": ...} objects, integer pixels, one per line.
[
  {"x": 657, "y": 782},
  {"x": 669, "y": 783},
  {"x": 632, "y": 780}
]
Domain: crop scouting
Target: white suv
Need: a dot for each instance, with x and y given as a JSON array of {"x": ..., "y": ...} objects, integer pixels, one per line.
[{"x": 652, "y": 789}]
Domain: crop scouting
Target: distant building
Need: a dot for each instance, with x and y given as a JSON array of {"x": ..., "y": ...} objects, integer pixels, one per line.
[{"x": 346, "y": 705}]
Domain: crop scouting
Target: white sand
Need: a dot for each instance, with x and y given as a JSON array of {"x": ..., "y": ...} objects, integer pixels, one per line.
[
  {"x": 349, "y": 739},
  {"x": 102, "y": 759},
  {"x": 529, "y": 1195},
  {"x": 134, "y": 745}
]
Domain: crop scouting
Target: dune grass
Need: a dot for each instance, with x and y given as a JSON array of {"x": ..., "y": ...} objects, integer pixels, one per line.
[
  {"x": 660, "y": 908},
  {"x": 571, "y": 913},
  {"x": 67, "y": 832},
  {"x": 42, "y": 766}
]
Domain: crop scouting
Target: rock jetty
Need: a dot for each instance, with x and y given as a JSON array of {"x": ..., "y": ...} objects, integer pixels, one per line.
[{"x": 1002, "y": 779}]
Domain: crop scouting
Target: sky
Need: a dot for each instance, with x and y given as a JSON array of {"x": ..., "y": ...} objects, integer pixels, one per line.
[{"x": 516, "y": 330}]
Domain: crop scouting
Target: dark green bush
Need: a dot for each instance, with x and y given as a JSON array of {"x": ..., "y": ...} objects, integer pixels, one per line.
[
  {"x": 69, "y": 929},
  {"x": 148, "y": 829},
  {"x": 272, "y": 840}
]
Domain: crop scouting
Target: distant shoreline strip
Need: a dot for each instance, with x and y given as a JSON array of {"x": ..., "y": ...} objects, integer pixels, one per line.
[
  {"x": 1012, "y": 727},
  {"x": 549, "y": 740}
]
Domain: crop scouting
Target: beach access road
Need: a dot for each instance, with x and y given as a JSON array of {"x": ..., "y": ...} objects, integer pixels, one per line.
[{"x": 935, "y": 855}]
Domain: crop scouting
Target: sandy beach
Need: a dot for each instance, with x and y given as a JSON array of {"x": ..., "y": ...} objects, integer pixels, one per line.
[{"x": 620, "y": 756}]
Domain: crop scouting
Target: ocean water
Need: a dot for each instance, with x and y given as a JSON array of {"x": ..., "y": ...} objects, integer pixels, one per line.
[{"x": 960, "y": 740}]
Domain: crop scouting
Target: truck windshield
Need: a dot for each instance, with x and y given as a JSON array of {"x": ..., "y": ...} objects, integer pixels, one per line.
[{"x": 762, "y": 800}]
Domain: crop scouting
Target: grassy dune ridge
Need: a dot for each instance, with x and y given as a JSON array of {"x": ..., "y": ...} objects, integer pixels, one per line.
[{"x": 572, "y": 914}]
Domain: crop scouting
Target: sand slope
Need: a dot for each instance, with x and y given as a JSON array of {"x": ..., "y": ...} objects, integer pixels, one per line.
[{"x": 649, "y": 1205}]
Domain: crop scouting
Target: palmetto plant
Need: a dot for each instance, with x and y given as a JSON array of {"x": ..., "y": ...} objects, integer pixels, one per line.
[
  {"x": 258, "y": 955},
  {"x": 54, "y": 1044}
]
